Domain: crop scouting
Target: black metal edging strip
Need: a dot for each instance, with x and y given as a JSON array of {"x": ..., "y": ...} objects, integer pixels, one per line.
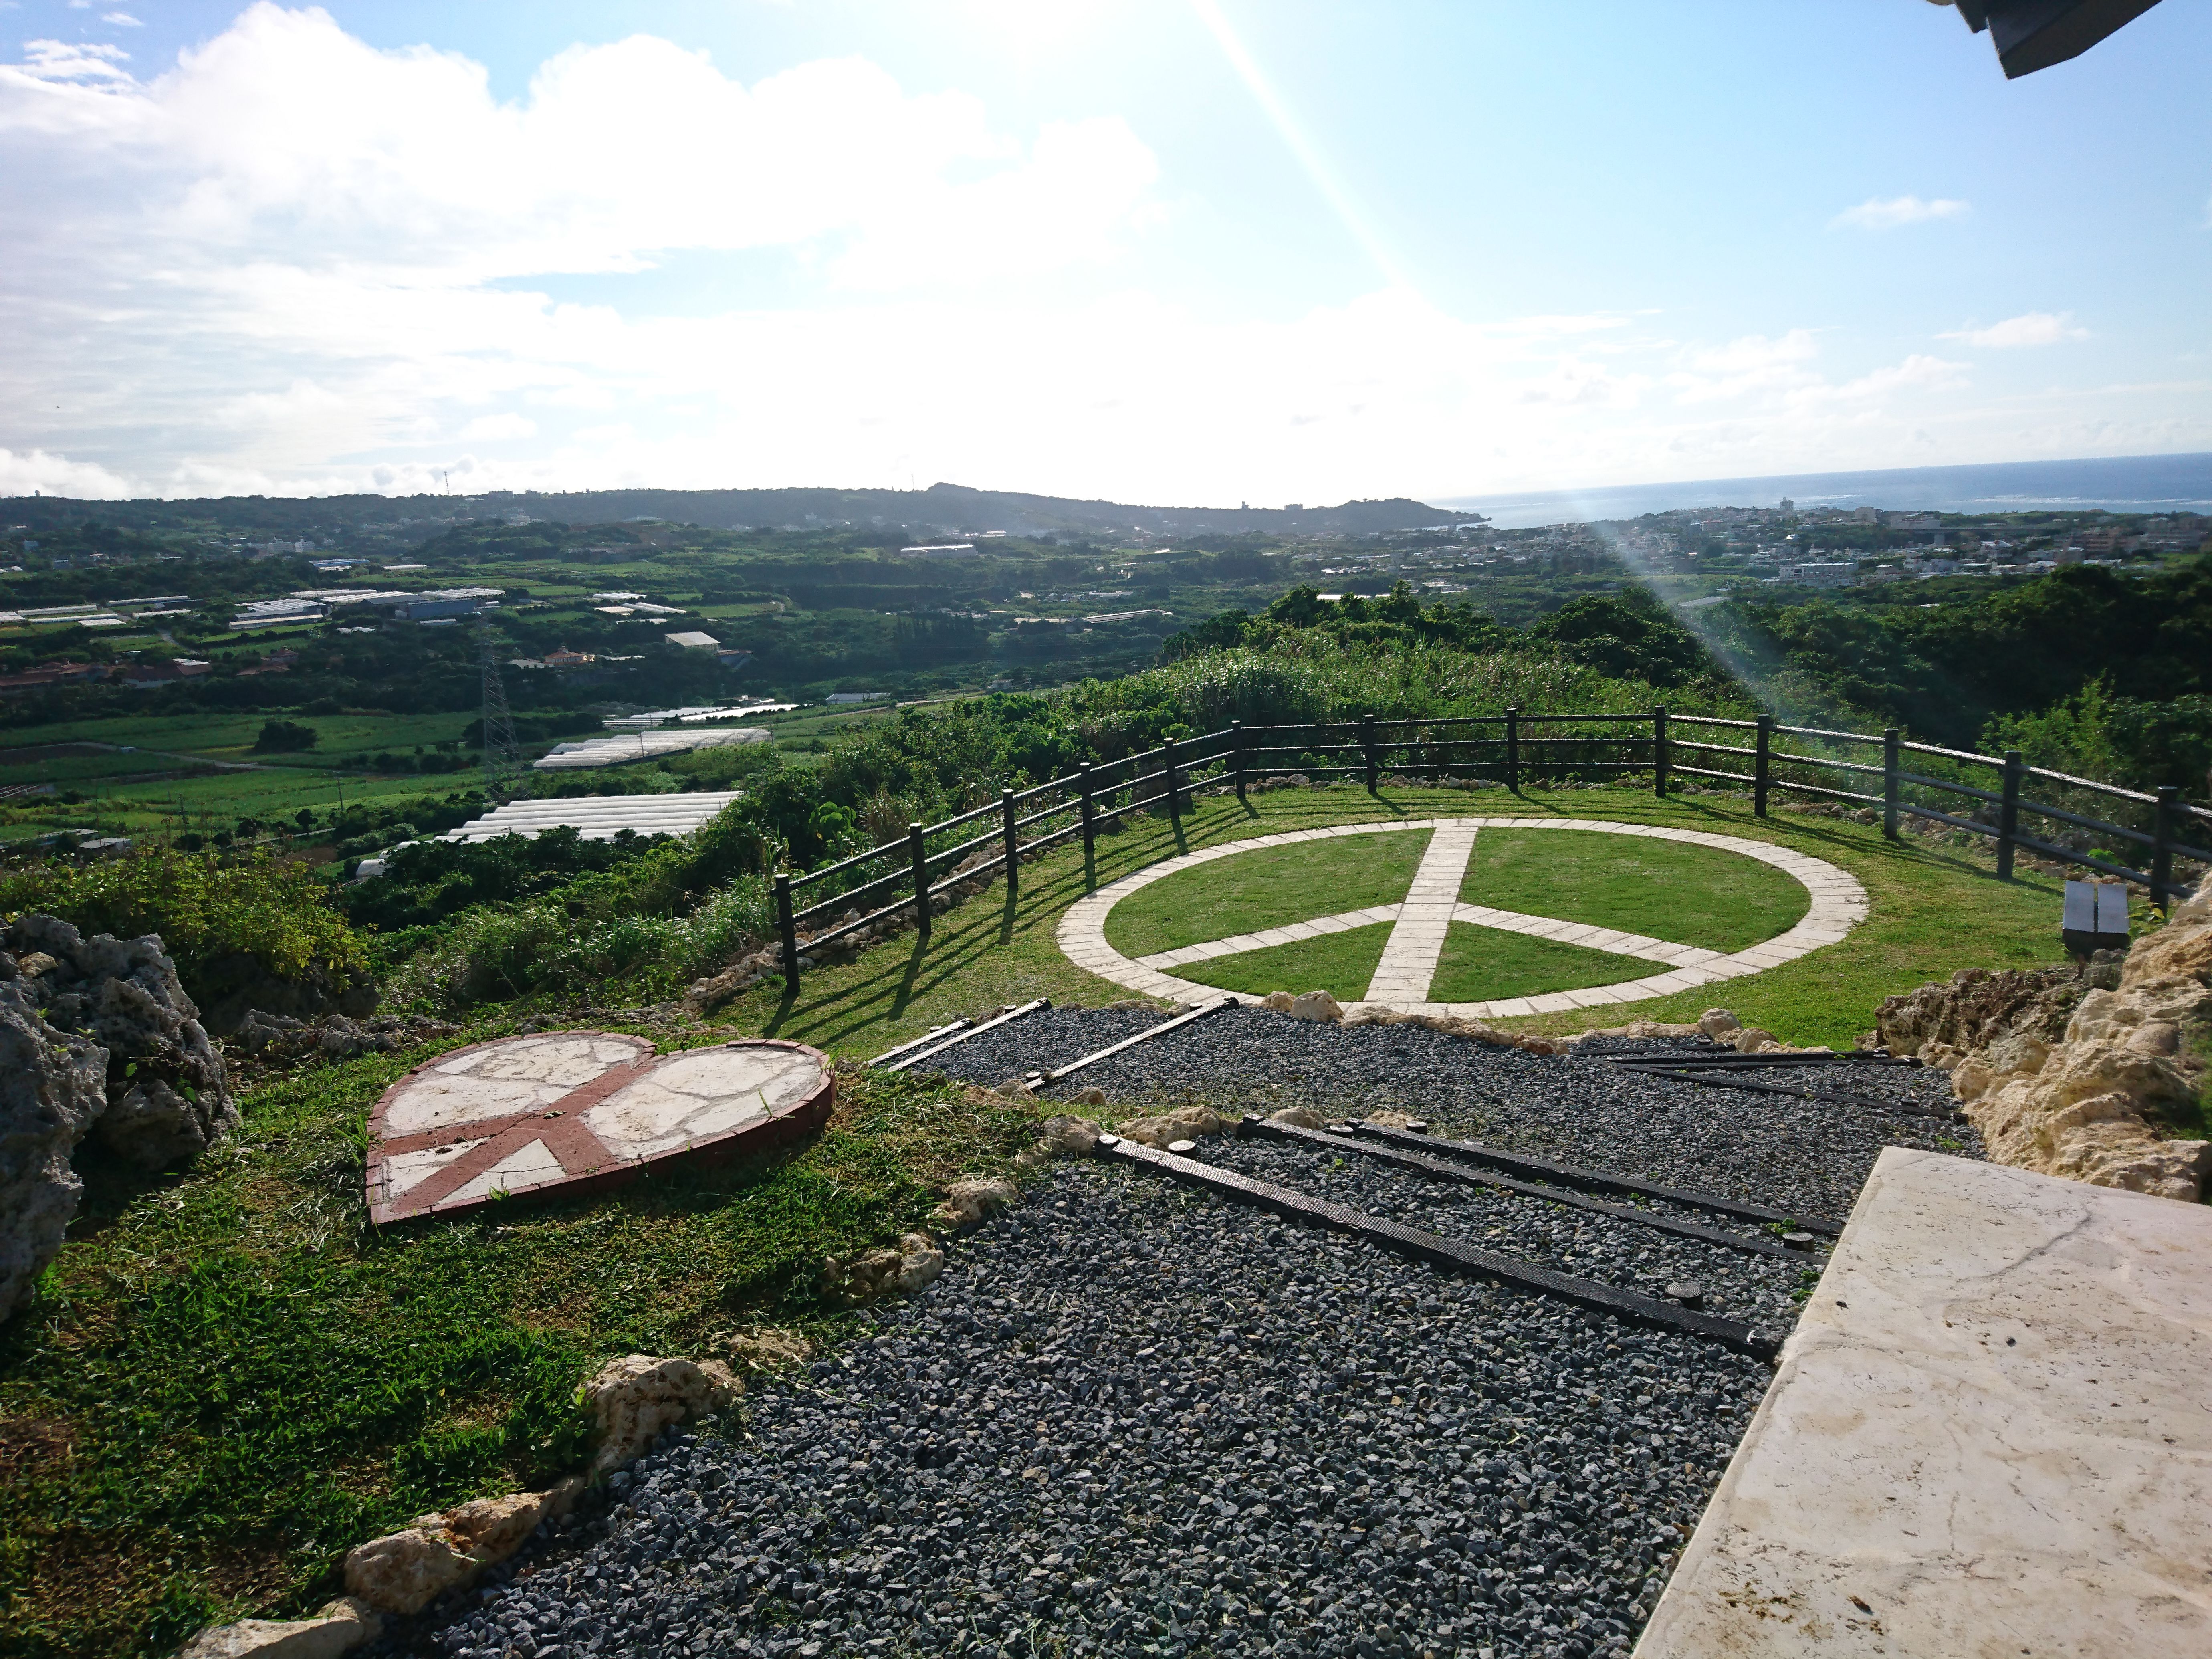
[
  {"x": 1046, "y": 1079},
  {"x": 1722, "y": 1059},
  {"x": 923, "y": 1040},
  {"x": 1445, "y": 1252},
  {"x": 1447, "y": 1170},
  {"x": 1603, "y": 1181},
  {"x": 1006, "y": 1018},
  {"x": 1683, "y": 1075}
]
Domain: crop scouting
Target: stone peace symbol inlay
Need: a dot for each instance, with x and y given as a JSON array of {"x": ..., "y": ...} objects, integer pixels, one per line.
[{"x": 1420, "y": 922}]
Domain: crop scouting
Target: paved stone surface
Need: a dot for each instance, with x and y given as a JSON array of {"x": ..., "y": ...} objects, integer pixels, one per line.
[
  {"x": 1991, "y": 1434},
  {"x": 533, "y": 1113},
  {"x": 1837, "y": 904},
  {"x": 1409, "y": 960}
]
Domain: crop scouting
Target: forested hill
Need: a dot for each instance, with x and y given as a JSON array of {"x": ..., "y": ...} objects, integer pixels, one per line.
[{"x": 941, "y": 508}]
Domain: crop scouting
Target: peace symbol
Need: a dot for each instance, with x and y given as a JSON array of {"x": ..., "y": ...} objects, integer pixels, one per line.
[{"x": 1420, "y": 922}]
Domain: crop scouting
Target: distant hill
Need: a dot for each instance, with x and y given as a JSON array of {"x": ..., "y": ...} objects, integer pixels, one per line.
[{"x": 941, "y": 508}]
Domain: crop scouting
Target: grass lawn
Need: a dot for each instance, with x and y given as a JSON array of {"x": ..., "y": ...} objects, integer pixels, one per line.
[
  {"x": 1935, "y": 907},
  {"x": 1664, "y": 890},
  {"x": 1482, "y": 964},
  {"x": 227, "y": 1379},
  {"x": 1341, "y": 963},
  {"x": 1266, "y": 888}
]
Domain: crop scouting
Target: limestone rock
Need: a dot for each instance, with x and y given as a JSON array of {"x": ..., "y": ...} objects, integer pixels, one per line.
[
  {"x": 1280, "y": 1001},
  {"x": 403, "y": 1572},
  {"x": 872, "y": 1273},
  {"x": 343, "y": 1625},
  {"x": 1298, "y": 1117},
  {"x": 2080, "y": 1106},
  {"x": 168, "y": 1097},
  {"x": 1977, "y": 1006},
  {"x": 1075, "y": 1136},
  {"x": 974, "y": 1199},
  {"x": 1753, "y": 1040},
  {"x": 1718, "y": 1023},
  {"x": 769, "y": 1350},
  {"x": 1318, "y": 1006},
  {"x": 636, "y": 1397},
  {"x": 1184, "y": 1123},
  {"x": 50, "y": 1092},
  {"x": 1091, "y": 1098}
]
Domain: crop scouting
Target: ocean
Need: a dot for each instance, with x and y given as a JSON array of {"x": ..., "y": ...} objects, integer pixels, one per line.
[{"x": 2126, "y": 483}]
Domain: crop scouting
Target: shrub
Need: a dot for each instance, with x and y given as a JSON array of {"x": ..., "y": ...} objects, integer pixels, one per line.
[
  {"x": 284, "y": 738},
  {"x": 206, "y": 908}
]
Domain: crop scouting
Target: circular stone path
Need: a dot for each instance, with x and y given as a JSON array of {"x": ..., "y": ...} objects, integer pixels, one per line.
[
  {"x": 1431, "y": 904},
  {"x": 578, "y": 1110}
]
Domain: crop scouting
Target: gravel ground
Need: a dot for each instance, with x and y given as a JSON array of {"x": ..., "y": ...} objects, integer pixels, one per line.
[
  {"x": 1132, "y": 1418},
  {"x": 1737, "y": 1285},
  {"x": 1769, "y": 1148}
]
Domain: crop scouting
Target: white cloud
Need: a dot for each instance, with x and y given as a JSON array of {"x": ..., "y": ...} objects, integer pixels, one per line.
[
  {"x": 35, "y": 471},
  {"x": 2030, "y": 328},
  {"x": 293, "y": 263},
  {"x": 1878, "y": 214},
  {"x": 122, "y": 19},
  {"x": 486, "y": 428}
]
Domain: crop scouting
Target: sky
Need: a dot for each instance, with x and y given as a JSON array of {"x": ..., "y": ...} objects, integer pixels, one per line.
[{"x": 1192, "y": 251}]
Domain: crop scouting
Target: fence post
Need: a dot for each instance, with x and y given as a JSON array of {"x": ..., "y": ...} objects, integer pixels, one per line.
[
  {"x": 787, "y": 930},
  {"x": 1892, "y": 752},
  {"x": 1089, "y": 813},
  {"x": 1237, "y": 742},
  {"x": 1513, "y": 751},
  {"x": 2008, "y": 814},
  {"x": 1659, "y": 756},
  {"x": 1168, "y": 766},
  {"x": 2161, "y": 846},
  {"x": 1013, "y": 841},
  {"x": 1760, "y": 765},
  {"x": 1367, "y": 748},
  {"x": 919, "y": 854}
]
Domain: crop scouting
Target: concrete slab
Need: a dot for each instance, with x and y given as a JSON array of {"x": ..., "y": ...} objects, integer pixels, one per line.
[
  {"x": 1989, "y": 1436},
  {"x": 578, "y": 1110}
]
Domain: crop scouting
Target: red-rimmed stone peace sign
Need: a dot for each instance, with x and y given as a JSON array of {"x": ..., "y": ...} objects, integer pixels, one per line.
[{"x": 578, "y": 1110}]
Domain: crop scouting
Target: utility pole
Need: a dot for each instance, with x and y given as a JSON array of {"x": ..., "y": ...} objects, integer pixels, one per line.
[{"x": 502, "y": 756}]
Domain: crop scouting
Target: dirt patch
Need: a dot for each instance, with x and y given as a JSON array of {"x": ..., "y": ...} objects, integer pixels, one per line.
[{"x": 33, "y": 1447}]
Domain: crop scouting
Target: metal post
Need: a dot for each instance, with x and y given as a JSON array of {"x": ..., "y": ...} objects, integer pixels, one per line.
[
  {"x": 1168, "y": 767},
  {"x": 788, "y": 931},
  {"x": 1367, "y": 748},
  {"x": 1659, "y": 752},
  {"x": 1513, "y": 749},
  {"x": 1892, "y": 749},
  {"x": 2161, "y": 847},
  {"x": 1759, "y": 766},
  {"x": 1013, "y": 841},
  {"x": 2008, "y": 814},
  {"x": 1237, "y": 742},
  {"x": 919, "y": 855},
  {"x": 1089, "y": 813}
]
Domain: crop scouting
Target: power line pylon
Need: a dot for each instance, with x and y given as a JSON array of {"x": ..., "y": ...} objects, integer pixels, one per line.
[{"x": 503, "y": 754}]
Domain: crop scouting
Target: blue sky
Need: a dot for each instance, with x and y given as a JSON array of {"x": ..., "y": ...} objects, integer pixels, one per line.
[{"x": 1198, "y": 251}]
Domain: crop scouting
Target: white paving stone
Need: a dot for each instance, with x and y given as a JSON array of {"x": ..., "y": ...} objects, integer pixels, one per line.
[{"x": 1990, "y": 1435}]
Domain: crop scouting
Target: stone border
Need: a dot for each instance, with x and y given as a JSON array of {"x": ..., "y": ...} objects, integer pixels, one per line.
[{"x": 1838, "y": 904}]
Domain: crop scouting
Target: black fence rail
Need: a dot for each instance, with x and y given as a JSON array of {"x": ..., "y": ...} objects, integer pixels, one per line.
[{"x": 913, "y": 877}]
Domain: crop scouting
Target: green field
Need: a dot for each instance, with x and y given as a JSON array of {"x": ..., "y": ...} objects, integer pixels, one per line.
[
  {"x": 1339, "y": 963},
  {"x": 1486, "y": 965},
  {"x": 1266, "y": 888},
  {"x": 1664, "y": 890},
  {"x": 230, "y": 736}
]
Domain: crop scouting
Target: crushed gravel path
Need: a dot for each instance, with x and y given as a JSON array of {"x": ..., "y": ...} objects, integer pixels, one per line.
[
  {"x": 1131, "y": 1418},
  {"x": 1769, "y": 1148}
]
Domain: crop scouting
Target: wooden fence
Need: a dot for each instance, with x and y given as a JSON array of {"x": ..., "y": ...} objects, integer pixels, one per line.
[{"x": 1896, "y": 779}]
